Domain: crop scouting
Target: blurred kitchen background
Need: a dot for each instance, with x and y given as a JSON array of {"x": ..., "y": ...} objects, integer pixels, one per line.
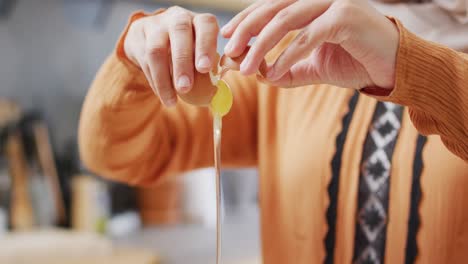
[{"x": 52, "y": 210}]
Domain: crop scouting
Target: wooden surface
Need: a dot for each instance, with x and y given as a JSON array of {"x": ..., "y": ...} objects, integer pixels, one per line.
[
  {"x": 9, "y": 112},
  {"x": 88, "y": 207},
  {"x": 57, "y": 247},
  {"x": 120, "y": 256},
  {"x": 21, "y": 207}
]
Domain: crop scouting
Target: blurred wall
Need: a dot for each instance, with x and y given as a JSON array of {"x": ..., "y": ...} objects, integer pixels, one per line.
[{"x": 51, "y": 49}]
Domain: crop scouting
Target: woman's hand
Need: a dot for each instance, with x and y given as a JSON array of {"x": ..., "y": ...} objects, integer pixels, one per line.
[
  {"x": 170, "y": 46},
  {"x": 342, "y": 42}
]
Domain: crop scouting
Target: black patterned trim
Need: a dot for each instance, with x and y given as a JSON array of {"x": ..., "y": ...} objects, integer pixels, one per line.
[
  {"x": 414, "y": 221},
  {"x": 335, "y": 181}
]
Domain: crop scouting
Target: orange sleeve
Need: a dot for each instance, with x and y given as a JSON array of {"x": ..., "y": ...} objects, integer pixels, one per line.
[
  {"x": 432, "y": 80},
  {"x": 127, "y": 135}
]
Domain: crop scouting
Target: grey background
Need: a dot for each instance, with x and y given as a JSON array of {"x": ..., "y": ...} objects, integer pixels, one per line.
[{"x": 50, "y": 51}]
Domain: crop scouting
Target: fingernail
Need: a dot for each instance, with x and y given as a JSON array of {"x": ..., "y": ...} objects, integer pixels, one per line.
[
  {"x": 204, "y": 62},
  {"x": 183, "y": 83}
]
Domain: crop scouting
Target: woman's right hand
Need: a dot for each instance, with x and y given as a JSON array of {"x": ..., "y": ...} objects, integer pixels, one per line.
[{"x": 177, "y": 38}]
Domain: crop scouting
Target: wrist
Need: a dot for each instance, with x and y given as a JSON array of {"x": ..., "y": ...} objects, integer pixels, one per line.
[
  {"x": 387, "y": 42},
  {"x": 393, "y": 39},
  {"x": 388, "y": 91}
]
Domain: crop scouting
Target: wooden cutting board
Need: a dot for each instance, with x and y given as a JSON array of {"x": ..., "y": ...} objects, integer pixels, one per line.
[
  {"x": 247, "y": 261},
  {"x": 121, "y": 256},
  {"x": 59, "y": 247}
]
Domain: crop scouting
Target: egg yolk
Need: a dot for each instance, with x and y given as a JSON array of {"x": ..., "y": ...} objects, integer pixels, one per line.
[{"x": 221, "y": 102}]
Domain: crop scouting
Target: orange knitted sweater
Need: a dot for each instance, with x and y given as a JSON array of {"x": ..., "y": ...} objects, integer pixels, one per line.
[{"x": 302, "y": 140}]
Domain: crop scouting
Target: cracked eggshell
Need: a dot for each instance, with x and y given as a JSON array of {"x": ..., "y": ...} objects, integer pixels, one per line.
[{"x": 202, "y": 90}]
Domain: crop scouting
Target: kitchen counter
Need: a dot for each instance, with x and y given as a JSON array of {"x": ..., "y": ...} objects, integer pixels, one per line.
[{"x": 195, "y": 244}]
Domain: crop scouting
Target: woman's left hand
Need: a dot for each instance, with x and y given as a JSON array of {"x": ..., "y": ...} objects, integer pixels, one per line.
[{"x": 342, "y": 42}]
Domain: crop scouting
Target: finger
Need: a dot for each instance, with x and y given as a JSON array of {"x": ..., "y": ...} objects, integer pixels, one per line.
[
  {"x": 206, "y": 41},
  {"x": 231, "y": 26},
  {"x": 167, "y": 102},
  {"x": 158, "y": 66},
  {"x": 181, "y": 39},
  {"x": 134, "y": 44},
  {"x": 146, "y": 71},
  {"x": 300, "y": 74},
  {"x": 291, "y": 18},
  {"x": 252, "y": 24},
  {"x": 311, "y": 37}
]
